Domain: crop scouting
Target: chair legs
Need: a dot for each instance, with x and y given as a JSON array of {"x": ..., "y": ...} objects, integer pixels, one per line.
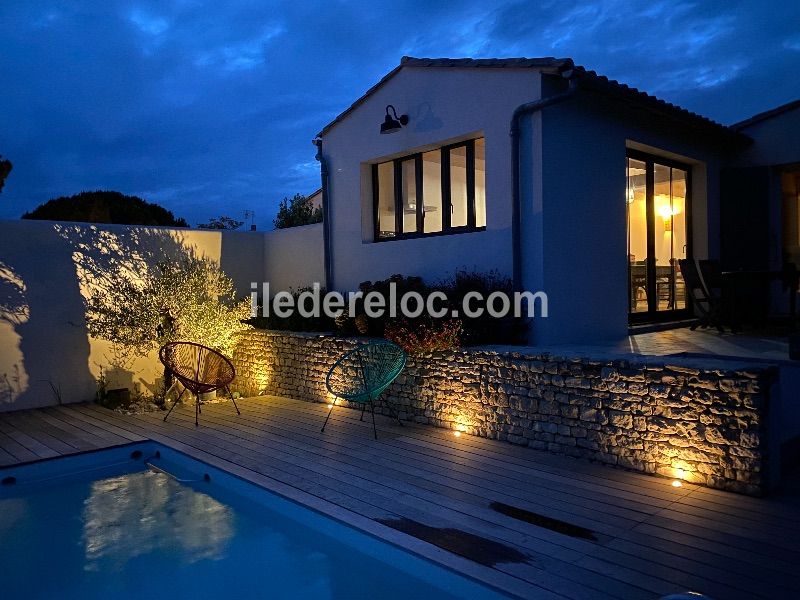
[
  {"x": 174, "y": 404},
  {"x": 198, "y": 410},
  {"x": 371, "y": 403},
  {"x": 395, "y": 412},
  {"x": 329, "y": 415},
  {"x": 227, "y": 389}
]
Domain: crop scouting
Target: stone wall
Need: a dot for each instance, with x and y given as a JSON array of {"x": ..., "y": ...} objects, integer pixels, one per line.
[{"x": 704, "y": 424}]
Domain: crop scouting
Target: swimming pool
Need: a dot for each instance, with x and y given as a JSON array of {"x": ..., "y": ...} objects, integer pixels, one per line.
[{"x": 144, "y": 521}]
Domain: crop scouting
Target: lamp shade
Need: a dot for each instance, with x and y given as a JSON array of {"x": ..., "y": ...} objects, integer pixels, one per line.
[
  {"x": 390, "y": 125},
  {"x": 393, "y": 124}
]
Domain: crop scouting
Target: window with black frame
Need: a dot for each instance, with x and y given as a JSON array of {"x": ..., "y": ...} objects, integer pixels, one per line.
[{"x": 437, "y": 192}]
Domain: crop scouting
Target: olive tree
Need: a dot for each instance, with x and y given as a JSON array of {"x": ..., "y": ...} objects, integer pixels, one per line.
[{"x": 187, "y": 299}]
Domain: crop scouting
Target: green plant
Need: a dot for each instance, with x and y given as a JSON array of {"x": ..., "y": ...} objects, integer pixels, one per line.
[
  {"x": 296, "y": 211},
  {"x": 101, "y": 394},
  {"x": 103, "y": 206},
  {"x": 484, "y": 329},
  {"x": 419, "y": 338},
  {"x": 55, "y": 388},
  {"x": 5, "y": 169},
  {"x": 222, "y": 222},
  {"x": 295, "y": 321},
  {"x": 10, "y": 387},
  {"x": 369, "y": 325},
  {"x": 188, "y": 299}
]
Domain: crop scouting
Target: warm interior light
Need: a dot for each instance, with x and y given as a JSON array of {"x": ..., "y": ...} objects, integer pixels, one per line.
[{"x": 677, "y": 483}]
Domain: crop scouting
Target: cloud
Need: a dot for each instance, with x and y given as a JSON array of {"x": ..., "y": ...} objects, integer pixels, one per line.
[
  {"x": 147, "y": 23},
  {"x": 210, "y": 107}
]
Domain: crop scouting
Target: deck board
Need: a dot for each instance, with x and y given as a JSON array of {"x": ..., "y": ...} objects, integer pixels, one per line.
[{"x": 652, "y": 539}]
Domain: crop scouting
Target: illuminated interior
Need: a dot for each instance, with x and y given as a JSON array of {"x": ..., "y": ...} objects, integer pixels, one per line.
[
  {"x": 462, "y": 168},
  {"x": 790, "y": 189},
  {"x": 656, "y": 204}
]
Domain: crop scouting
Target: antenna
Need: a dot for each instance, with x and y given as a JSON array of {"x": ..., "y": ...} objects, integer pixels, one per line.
[{"x": 251, "y": 215}]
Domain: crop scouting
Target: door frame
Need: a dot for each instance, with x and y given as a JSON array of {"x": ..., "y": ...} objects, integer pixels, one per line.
[{"x": 652, "y": 314}]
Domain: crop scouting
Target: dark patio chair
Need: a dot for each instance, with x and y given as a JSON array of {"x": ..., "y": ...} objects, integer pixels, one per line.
[
  {"x": 706, "y": 304},
  {"x": 200, "y": 369},
  {"x": 362, "y": 374}
]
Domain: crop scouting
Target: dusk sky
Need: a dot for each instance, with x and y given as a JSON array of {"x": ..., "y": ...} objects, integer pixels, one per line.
[{"x": 209, "y": 108}]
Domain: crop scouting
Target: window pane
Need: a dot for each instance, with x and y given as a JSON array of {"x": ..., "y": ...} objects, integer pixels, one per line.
[
  {"x": 458, "y": 187},
  {"x": 386, "y": 222},
  {"x": 432, "y": 190},
  {"x": 663, "y": 235},
  {"x": 679, "y": 239},
  {"x": 636, "y": 202},
  {"x": 409, "y": 198},
  {"x": 480, "y": 183},
  {"x": 669, "y": 202}
]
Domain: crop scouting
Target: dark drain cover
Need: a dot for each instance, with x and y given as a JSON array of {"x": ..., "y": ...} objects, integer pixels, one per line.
[
  {"x": 468, "y": 545},
  {"x": 542, "y": 521}
]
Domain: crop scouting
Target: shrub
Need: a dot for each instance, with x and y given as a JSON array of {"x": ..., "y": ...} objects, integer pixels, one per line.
[
  {"x": 295, "y": 211},
  {"x": 475, "y": 331},
  {"x": 484, "y": 329},
  {"x": 418, "y": 338},
  {"x": 367, "y": 325},
  {"x": 472, "y": 331},
  {"x": 295, "y": 321}
]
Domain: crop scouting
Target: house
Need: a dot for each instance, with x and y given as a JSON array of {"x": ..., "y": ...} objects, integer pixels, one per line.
[
  {"x": 316, "y": 198},
  {"x": 551, "y": 174},
  {"x": 761, "y": 188}
]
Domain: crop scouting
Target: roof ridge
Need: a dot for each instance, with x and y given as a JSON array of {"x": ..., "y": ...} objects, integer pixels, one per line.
[
  {"x": 517, "y": 61},
  {"x": 767, "y": 114},
  {"x": 549, "y": 62},
  {"x": 650, "y": 98}
]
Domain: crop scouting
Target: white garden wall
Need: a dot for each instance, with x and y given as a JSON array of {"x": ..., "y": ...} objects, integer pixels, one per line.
[
  {"x": 293, "y": 258},
  {"x": 46, "y": 355}
]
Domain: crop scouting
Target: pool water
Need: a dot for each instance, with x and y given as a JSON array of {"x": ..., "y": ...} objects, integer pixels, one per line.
[{"x": 108, "y": 526}]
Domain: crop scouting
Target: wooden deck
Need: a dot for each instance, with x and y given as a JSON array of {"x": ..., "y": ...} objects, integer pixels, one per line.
[{"x": 650, "y": 539}]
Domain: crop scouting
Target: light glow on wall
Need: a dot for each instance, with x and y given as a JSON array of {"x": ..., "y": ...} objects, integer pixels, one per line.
[{"x": 461, "y": 425}]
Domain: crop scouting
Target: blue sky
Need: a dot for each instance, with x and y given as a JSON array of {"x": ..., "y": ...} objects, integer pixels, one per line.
[{"x": 209, "y": 108}]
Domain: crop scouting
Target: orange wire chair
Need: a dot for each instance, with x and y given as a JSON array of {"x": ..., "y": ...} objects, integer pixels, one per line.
[{"x": 200, "y": 369}]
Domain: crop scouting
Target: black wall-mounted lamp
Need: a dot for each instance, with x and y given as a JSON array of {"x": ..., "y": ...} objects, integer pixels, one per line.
[{"x": 392, "y": 125}]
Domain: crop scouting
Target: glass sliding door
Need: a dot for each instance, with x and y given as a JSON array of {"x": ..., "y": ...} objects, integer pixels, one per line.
[
  {"x": 658, "y": 209},
  {"x": 636, "y": 201}
]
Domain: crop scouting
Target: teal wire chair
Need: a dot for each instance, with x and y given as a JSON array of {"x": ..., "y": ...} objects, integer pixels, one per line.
[{"x": 362, "y": 374}]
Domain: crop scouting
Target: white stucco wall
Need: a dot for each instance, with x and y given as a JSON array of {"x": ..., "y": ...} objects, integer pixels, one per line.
[
  {"x": 293, "y": 258},
  {"x": 775, "y": 145},
  {"x": 45, "y": 351},
  {"x": 444, "y": 105},
  {"x": 775, "y": 141},
  {"x": 574, "y": 229}
]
